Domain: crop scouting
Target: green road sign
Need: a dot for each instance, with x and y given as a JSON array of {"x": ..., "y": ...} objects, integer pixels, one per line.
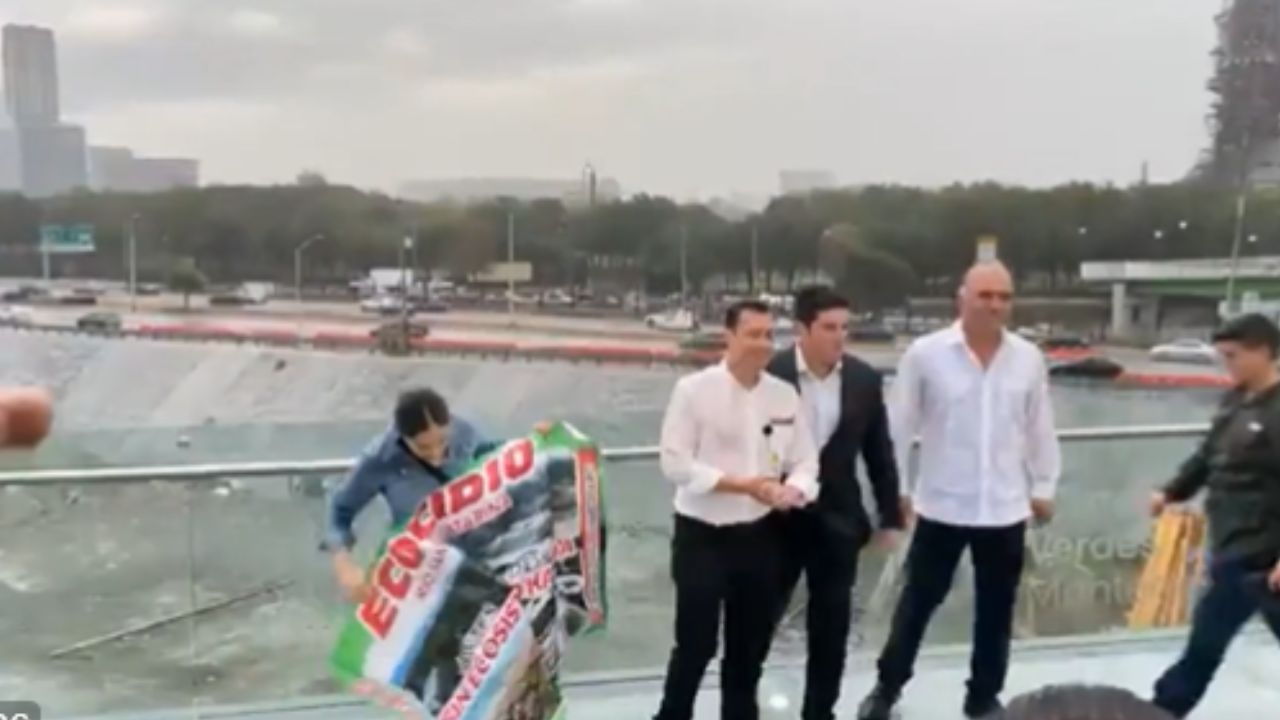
[{"x": 65, "y": 239}]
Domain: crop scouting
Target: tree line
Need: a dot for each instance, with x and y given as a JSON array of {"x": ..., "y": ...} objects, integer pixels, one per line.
[{"x": 878, "y": 243}]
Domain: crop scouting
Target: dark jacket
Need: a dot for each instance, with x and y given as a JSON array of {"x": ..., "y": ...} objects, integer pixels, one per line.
[
  {"x": 863, "y": 429},
  {"x": 1239, "y": 461}
]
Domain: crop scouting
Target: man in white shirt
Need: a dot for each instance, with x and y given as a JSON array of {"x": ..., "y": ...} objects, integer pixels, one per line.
[
  {"x": 978, "y": 398},
  {"x": 736, "y": 444}
]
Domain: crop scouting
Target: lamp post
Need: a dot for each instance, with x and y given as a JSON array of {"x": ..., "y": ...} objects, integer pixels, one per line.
[
  {"x": 297, "y": 265},
  {"x": 511, "y": 265},
  {"x": 133, "y": 262}
]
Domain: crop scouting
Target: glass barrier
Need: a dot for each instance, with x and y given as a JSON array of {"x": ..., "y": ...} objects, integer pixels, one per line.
[
  {"x": 209, "y": 593},
  {"x": 167, "y": 594}
]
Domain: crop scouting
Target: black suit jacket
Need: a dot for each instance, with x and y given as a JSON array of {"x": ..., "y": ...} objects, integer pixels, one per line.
[{"x": 863, "y": 429}]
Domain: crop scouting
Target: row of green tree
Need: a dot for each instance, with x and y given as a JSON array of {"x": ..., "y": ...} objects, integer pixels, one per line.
[{"x": 878, "y": 243}]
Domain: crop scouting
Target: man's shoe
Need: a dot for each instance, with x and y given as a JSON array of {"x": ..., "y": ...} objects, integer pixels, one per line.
[
  {"x": 878, "y": 705},
  {"x": 987, "y": 709}
]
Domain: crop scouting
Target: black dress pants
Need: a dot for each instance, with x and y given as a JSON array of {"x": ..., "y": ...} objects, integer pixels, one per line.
[
  {"x": 998, "y": 554},
  {"x": 829, "y": 562},
  {"x": 730, "y": 572}
]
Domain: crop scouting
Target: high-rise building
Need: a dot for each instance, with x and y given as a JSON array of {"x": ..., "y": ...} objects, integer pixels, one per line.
[
  {"x": 803, "y": 182},
  {"x": 10, "y": 159},
  {"x": 31, "y": 76},
  {"x": 118, "y": 169},
  {"x": 51, "y": 154},
  {"x": 53, "y": 160}
]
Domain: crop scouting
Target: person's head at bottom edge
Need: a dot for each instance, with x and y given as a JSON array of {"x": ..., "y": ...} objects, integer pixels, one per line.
[{"x": 1081, "y": 702}]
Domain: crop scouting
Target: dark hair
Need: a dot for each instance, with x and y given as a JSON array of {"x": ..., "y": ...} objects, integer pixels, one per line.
[
  {"x": 1081, "y": 702},
  {"x": 1252, "y": 331},
  {"x": 814, "y": 300},
  {"x": 418, "y": 410},
  {"x": 734, "y": 313}
]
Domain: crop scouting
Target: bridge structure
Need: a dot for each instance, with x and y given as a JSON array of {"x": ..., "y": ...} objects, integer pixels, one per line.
[{"x": 1142, "y": 291}]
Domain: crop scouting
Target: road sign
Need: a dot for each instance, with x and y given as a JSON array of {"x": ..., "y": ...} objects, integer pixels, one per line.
[
  {"x": 66, "y": 239},
  {"x": 520, "y": 272}
]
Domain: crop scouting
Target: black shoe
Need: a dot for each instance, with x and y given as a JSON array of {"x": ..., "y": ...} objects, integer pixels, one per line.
[
  {"x": 986, "y": 709},
  {"x": 878, "y": 705}
]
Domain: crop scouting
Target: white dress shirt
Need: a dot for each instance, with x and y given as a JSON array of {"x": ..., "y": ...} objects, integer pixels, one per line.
[
  {"x": 821, "y": 400},
  {"x": 987, "y": 439},
  {"x": 716, "y": 428}
]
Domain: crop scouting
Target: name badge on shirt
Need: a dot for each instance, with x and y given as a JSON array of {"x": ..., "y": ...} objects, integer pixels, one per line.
[{"x": 775, "y": 458}]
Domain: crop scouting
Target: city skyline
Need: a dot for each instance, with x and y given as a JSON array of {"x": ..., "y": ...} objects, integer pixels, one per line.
[{"x": 691, "y": 99}]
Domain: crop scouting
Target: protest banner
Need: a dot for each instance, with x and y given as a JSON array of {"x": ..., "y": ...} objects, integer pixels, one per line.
[{"x": 474, "y": 598}]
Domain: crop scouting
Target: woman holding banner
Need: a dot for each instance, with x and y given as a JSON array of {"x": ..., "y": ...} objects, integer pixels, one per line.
[{"x": 424, "y": 448}]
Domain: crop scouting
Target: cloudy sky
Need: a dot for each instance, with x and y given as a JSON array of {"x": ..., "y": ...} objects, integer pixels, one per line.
[{"x": 688, "y": 97}]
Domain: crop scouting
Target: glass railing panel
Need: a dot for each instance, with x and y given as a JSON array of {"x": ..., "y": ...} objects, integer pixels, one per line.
[
  {"x": 92, "y": 579},
  {"x": 242, "y": 553},
  {"x": 270, "y": 608},
  {"x": 1081, "y": 572}
]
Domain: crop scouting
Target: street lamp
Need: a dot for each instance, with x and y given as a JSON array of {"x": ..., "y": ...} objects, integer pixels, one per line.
[
  {"x": 133, "y": 262},
  {"x": 297, "y": 265}
]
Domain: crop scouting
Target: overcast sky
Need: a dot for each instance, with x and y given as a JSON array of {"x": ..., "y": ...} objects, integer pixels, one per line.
[{"x": 687, "y": 97}]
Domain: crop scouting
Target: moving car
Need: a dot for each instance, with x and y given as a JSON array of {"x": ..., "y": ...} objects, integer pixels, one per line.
[
  {"x": 1185, "y": 350},
  {"x": 679, "y": 320},
  {"x": 16, "y": 316},
  {"x": 382, "y": 305},
  {"x": 101, "y": 322},
  {"x": 704, "y": 341}
]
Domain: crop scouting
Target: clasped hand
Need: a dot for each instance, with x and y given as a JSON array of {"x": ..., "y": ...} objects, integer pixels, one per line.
[{"x": 775, "y": 494}]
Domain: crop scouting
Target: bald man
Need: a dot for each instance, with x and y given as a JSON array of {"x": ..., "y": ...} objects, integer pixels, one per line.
[{"x": 977, "y": 396}]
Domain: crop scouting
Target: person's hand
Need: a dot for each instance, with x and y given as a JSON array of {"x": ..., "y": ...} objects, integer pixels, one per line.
[
  {"x": 1042, "y": 510},
  {"x": 351, "y": 578},
  {"x": 1273, "y": 581},
  {"x": 543, "y": 427},
  {"x": 886, "y": 540},
  {"x": 768, "y": 491},
  {"x": 793, "y": 498},
  {"x": 908, "y": 510},
  {"x": 1159, "y": 501}
]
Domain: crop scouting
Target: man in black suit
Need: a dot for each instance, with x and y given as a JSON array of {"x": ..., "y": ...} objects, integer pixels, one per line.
[{"x": 844, "y": 404}]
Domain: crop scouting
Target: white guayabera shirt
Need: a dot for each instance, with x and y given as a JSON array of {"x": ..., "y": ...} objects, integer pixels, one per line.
[{"x": 987, "y": 440}]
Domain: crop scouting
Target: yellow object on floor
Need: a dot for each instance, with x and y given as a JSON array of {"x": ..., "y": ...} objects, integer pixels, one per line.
[{"x": 1173, "y": 568}]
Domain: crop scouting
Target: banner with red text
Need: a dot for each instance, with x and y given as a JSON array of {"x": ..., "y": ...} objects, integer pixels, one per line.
[{"x": 474, "y": 598}]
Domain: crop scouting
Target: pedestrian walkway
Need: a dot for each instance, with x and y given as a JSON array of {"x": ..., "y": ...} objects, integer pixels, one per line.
[{"x": 1246, "y": 688}]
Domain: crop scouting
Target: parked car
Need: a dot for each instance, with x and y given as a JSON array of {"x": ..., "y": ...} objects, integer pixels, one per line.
[
  {"x": 102, "y": 322},
  {"x": 1185, "y": 350},
  {"x": 16, "y": 316},
  {"x": 149, "y": 289},
  {"x": 679, "y": 320}
]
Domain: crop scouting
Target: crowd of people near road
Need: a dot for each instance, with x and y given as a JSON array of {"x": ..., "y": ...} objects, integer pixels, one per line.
[{"x": 763, "y": 451}]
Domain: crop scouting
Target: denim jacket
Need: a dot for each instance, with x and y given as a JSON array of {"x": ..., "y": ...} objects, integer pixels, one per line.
[{"x": 387, "y": 467}]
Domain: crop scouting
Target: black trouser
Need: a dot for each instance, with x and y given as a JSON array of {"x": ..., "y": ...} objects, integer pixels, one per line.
[
  {"x": 829, "y": 562},
  {"x": 734, "y": 568},
  {"x": 931, "y": 565},
  {"x": 1235, "y": 594}
]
